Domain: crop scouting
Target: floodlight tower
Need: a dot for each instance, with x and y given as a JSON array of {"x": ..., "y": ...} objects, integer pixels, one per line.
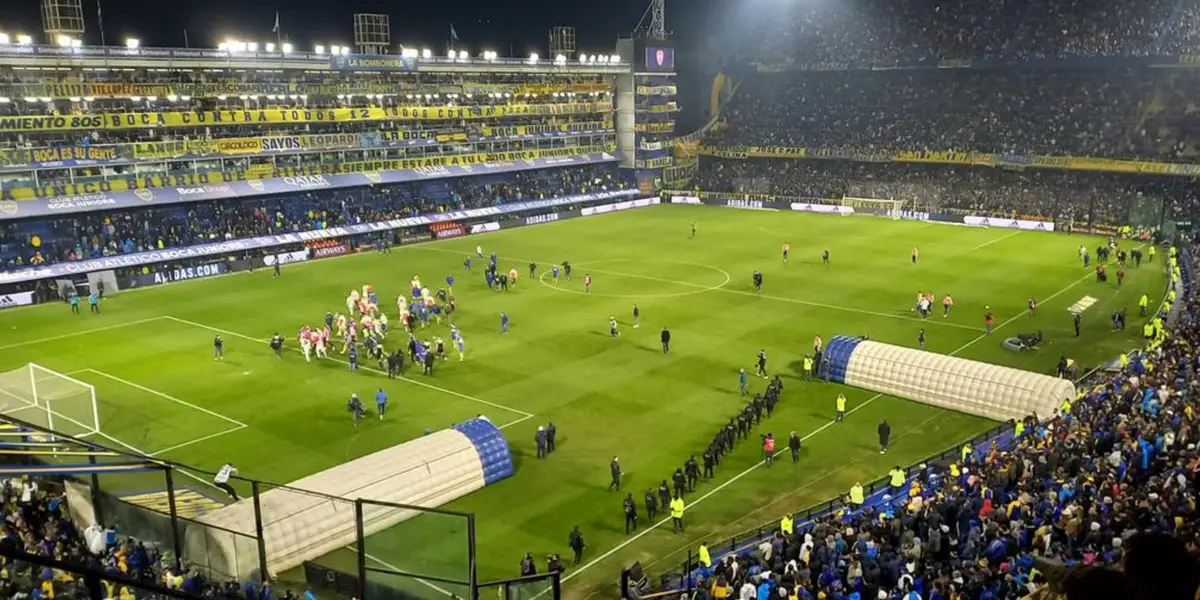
[
  {"x": 62, "y": 20},
  {"x": 372, "y": 33}
]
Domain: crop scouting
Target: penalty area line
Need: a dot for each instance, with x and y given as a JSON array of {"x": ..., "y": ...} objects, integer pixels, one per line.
[
  {"x": 995, "y": 241},
  {"x": 524, "y": 415}
]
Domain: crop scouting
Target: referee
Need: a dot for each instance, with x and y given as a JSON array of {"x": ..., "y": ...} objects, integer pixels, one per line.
[{"x": 226, "y": 471}]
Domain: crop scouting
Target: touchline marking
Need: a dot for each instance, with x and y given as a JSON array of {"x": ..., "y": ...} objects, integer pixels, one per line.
[
  {"x": 510, "y": 409},
  {"x": 818, "y": 430},
  {"x": 707, "y": 288},
  {"x": 131, "y": 384},
  {"x": 84, "y": 332},
  {"x": 999, "y": 239}
]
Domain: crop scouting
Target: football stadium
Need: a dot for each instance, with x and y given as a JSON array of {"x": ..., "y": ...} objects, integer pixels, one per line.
[{"x": 813, "y": 301}]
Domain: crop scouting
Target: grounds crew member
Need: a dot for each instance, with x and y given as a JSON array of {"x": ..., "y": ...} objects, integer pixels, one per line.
[
  {"x": 856, "y": 495},
  {"x": 575, "y": 541},
  {"x": 677, "y": 514}
]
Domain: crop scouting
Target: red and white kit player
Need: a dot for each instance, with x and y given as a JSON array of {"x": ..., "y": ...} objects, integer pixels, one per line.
[
  {"x": 306, "y": 343},
  {"x": 587, "y": 283},
  {"x": 322, "y": 339}
]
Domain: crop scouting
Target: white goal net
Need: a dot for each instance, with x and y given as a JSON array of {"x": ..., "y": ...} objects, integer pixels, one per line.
[
  {"x": 884, "y": 206},
  {"x": 49, "y": 399}
]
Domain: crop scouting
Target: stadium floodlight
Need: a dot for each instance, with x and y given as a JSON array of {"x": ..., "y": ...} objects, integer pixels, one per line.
[
  {"x": 410, "y": 53},
  {"x": 133, "y": 43},
  {"x": 490, "y": 55},
  {"x": 287, "y": 47},
  {"x": 335, "y": 50},
  {"x": 318, "y": 49},
  {"x": 561, "y": 59},
  {"x": 270, "y": 47},
  {"x": 24, "y": 40},
  {"x": 615, "y": 59},
  {"x": 463, "y": 56},
  {"x": 252, "y": 46},
  {"x": 63, "y": 40},
  {"x": 5, "y": 39},
  {"x": 533, "y": 58},
  {"x": 426, "y": 53},
  {"x": 583, "y": 59},
  {"x": 76, "y": 43},
  {"x": 223, "y": 46}
]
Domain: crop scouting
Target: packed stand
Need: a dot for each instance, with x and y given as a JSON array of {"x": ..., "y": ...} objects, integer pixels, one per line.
[
  {"x": 36, "y": 522},
  {"x": 907, "y": 31},
  {"x": 1099, "y": 502},
  {"x": 93, "y": 235},
  {"x": 1080, "y": 113},
  {"x": 1079, "y": 197}
]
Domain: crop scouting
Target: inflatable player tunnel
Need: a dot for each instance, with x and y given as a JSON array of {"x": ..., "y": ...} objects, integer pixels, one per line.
[
  {"x": 316, "y": 515},
  {"x": 969, "y": 386}
]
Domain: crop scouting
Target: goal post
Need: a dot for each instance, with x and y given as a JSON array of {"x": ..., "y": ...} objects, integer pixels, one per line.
[
  {"x": 888, "y": 207},
  {"x": 49, "y": 399}
]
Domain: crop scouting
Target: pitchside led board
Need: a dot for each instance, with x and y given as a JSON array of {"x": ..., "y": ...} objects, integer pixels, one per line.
[{"x": 657, "y": 56}]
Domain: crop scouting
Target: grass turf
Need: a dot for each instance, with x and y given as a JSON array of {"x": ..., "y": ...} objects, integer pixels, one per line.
[{"x": 159, "y": 391}]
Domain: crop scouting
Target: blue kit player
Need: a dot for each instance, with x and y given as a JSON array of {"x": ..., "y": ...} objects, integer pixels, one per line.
[
  {"x": 487, "y": 274},
  {"x": 567, "y": 270},
  {"x": 503, "y": 322},
  {"x": 218, "y": 348},
  {"x": 495, "y": 259},
  {"x": 352, "y": 358},
  {"x": 467, "y": 264},
  {"x": 94, "y": 303},
  {"x": 457, "y": 337},
  {"x": 554, "y": 273},
  {"x": 381, "y": 399},
  {"x": 450, "y": 282}
]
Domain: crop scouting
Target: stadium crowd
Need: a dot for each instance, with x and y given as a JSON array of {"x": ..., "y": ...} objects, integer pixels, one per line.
[
  {"x": 1098, "y": 502},
  {"x": 1079, "y": 197},
  {"x": 883, "y": 31},
  {"x": 1102, "y": 112},
  {"x": 36, "y": 522},
  {"x": 93, "y": 235}
]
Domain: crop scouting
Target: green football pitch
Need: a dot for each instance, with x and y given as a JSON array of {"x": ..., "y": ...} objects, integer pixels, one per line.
[{"x": 159, "y": 391}]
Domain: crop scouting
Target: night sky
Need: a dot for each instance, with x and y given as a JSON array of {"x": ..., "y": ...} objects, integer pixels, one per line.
[{"x": 496, "y": 25}]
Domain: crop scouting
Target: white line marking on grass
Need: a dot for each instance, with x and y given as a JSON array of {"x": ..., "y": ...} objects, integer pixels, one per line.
[
  {"x": 428, "y": 584},
  {"x": 198, "y": 440},
  {"x": 999, "y": 239},
  {"x": 524, "y": 415},
  {"x": 83, "y": 332},
  {"x": 818, "y": 430},
  {"x": 131, "y": 384},
  {"x": 705, "y": 288}
]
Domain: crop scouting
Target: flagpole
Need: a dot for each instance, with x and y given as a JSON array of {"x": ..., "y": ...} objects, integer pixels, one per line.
[
  {"x": 278, "y": 34},
  {"x": 185, "y": 39},
  {"x": 100, "y": 21}
]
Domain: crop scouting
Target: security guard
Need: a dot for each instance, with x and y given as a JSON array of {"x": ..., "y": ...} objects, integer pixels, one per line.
[
  {"x": 808, "y": 367},
  {"x": 677, "y": 514},
  {"x": 705, "y": 558},
  {"x": 841, "y": 408},
  {"x": 1143, "y": 302},
  {"x": 1148, "y": 330},
  {"x": 896, "y": 476},
  {"x": 787, "y": 525},
  {"x": 630, "y": 513},
  {"x": 856, "y": 495}
]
